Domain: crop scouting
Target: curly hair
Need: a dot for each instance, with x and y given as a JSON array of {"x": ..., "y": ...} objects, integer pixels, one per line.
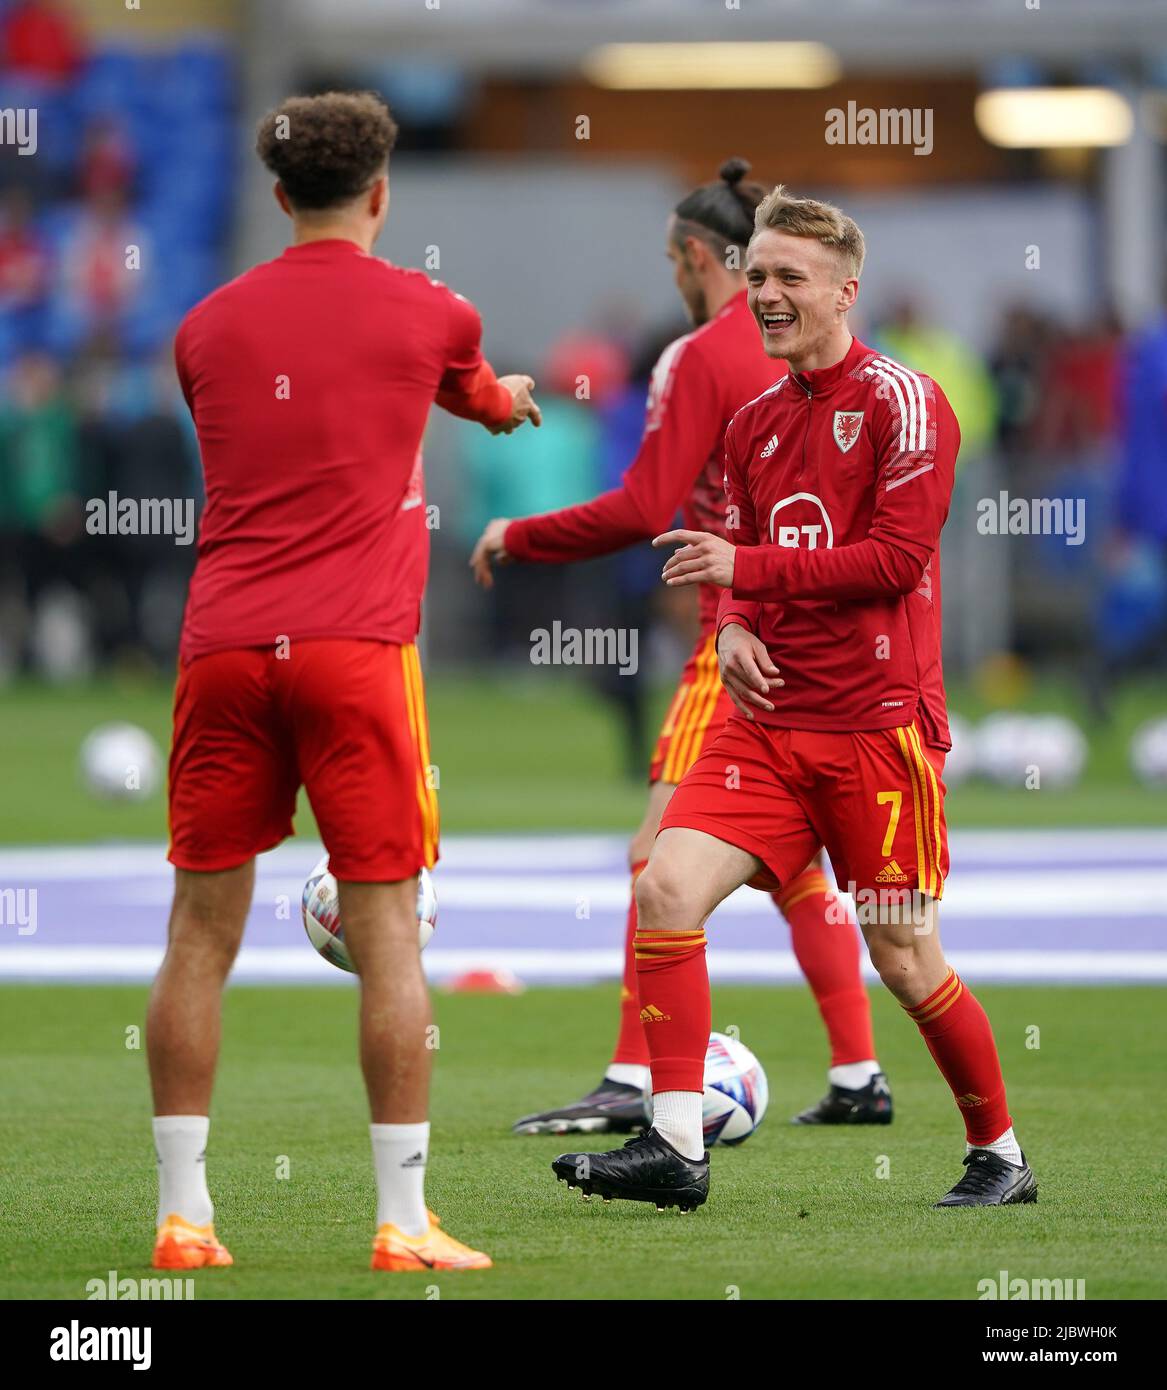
[{"x": 326, "y": 150}]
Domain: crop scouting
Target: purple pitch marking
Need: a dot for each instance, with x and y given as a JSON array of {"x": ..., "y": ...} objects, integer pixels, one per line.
[{"x": 1045, "y": 893}]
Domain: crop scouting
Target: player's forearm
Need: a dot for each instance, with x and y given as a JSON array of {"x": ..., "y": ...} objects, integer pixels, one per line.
[
  {"x": 873, "y": 568},
  {"x": 609, "y": 522},
  {"x": 482, "y": 399}
]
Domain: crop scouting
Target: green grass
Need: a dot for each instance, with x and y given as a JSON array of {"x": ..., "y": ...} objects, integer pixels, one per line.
[
  {"x": 513, "y": 755},
  {"x": 793, "y": 1213}
]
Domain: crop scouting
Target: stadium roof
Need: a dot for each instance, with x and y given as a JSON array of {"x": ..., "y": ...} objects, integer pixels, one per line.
[{"x": 548, "y": 36}]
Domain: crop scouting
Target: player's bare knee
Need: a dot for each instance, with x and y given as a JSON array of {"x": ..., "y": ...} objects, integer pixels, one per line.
[
  {"x": 897, "y": 965},
  {"x": 202, "y": 955},
  {"x": 660, "y": 899}
]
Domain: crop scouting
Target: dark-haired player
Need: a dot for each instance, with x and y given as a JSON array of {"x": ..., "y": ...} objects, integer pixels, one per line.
[
  {"x": 838, "y": 479},
  {"x": 697, "y": 385},
  {"x": 310, "y": 379}
]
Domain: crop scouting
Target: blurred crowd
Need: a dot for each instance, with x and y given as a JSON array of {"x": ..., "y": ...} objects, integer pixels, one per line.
[{"x": 102, "y": 250}]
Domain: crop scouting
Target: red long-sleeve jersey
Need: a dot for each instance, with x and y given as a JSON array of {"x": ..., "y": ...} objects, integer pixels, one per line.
[
  {"x": 838, "y": 483},
  {"x": 697, "y": 384},
  {"x": 310, "y": 379}
]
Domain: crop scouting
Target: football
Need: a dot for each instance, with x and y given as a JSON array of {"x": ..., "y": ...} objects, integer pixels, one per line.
[
  {"x": 1149, "y": 752},
  {"x": 736, "y": 1092},
  {"x": 320, "y": 907},
  {"x": 121, "y": 762}
]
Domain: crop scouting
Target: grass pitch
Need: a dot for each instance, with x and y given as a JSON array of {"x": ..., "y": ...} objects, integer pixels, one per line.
[
  {"x": 512, "y": 755},
  {"x": 793, "y": 1213}
]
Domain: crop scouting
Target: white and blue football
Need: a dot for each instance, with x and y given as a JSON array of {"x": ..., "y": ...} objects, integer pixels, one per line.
[
  {"x": 736, "y": 1092},
  {"x": 320, "y": 907}
]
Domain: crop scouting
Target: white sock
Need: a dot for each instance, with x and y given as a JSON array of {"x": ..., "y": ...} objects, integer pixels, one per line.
[
  {"x": 676, "y": 1116},
  {"x": 180, "y": 1142},
  {"x": 399, "y": 1157},
  {"x": 852, "y": 1076},
  {"x": 627, "y": 1074},
  {"x": 1005, "y": 1147}
]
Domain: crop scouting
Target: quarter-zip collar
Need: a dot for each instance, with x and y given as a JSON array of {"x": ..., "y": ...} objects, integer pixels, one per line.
[{"x": 823, "y": 380}]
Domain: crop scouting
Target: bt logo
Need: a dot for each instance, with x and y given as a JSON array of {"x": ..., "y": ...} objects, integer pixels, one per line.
[{"x": 806, "y": 523}]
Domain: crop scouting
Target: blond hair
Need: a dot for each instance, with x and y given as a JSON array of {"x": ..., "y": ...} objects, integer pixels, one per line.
[{"x": 780, "y": 211}]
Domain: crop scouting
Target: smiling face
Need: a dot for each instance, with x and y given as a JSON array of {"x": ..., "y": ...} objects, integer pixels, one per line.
[{"x": 799, "y": 292}]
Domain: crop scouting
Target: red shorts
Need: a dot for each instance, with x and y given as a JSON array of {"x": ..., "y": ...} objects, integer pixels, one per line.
[
  {"x": 698, "y": 711},
  {"x": 874, "y": 799},
  {"x": 345, "y": 718}
]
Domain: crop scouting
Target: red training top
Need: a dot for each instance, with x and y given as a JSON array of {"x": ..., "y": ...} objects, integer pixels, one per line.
[
  {"x": 697, "y": 384},
  {"x": 839, "y": 481},
  {"x": 310, "y": 379}
]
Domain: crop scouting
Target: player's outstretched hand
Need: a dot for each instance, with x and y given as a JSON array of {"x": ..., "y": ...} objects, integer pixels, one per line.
[
  {"x": 490, "y": 549},
  {"x": 702, "y": 559},
  {"x": 523, "y": 405},
  {"x": 746, "y": 669}
]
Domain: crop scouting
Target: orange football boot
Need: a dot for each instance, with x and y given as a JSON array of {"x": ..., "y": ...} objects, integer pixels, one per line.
[
  {"x": 393, "y": 1249},
  {"x": 181, "y": 1245}
]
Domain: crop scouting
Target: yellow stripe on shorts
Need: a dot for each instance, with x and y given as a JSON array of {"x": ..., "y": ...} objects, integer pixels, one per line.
[
  {"x": 415, "y": 705},
  {"x": 919, "y": 804},
  {"x": 933, "y": 783},
  {"x": 695, "y": 717}
]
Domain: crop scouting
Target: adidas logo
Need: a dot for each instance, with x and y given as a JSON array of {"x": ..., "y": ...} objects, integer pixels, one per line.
[
  {"x": 769, "y": 448},
  {"x": 416, "y": 1160},
  {"x": 651, "y": 1014},
  {"x": 970, "y": 1100},
  {"x": 891, "y": 873}
]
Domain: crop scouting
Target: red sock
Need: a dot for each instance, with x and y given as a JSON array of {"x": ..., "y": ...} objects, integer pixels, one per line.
[
  {"x": 631, "y": 1045},
  {"x": 826, "y": 946},
  {"x": 959, "y": 1037},
  {"x": 674, "y": 989}
]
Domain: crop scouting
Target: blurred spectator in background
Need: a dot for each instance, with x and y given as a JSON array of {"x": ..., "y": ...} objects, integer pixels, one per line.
[
  {"x": 42, "y": 497},
  {"x": 540, "y": 471},
  {"x": 39, "y": 39},
  {"x": 1132, "y": 624},
  {"x": 1077, "y": 407},
  {"x": 903, "y": 333},
  {"x": 135, "y": 442},
  {"x": 107, "y": 165},
  {"x": 1017, "y": 366},
  {"x": 1142, "y": 490},
  {"x": 24, "y": 273},
  {"x": 104, "y": 263},
  {"x": 628, "y": 582}
]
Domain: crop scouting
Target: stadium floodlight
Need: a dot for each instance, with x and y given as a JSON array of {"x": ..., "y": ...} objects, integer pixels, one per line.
[
  {"x": 1054, "y": 117},
  {"x": 686, "y": 66}
]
